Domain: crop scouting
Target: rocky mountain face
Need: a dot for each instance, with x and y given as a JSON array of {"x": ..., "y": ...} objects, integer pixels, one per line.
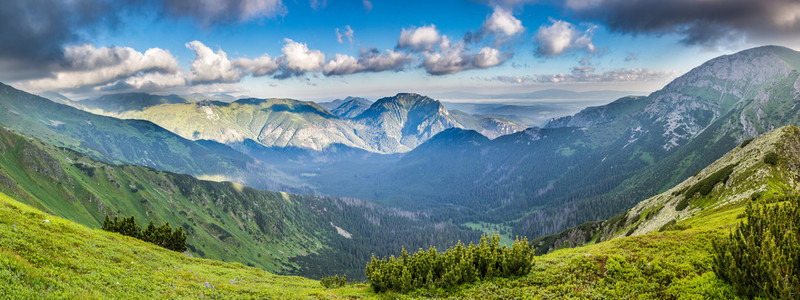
[
  {"x": 390, "y": 125},
  {"x": 597, "y": 115},
  {"x": 349, "y": 107},
  {"x": 746, "y": 173}
]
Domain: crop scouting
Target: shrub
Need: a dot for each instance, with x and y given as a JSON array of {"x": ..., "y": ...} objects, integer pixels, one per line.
[
  {"x": 673, "y": 225},
  {"x": 761, "y": 257},
  {"x": 457, "y": 265},
  {"x": 705, "y": 186},
  {"x": 771, "y": 158},
  {"x": 333, "y": 281},
  {"x": 683, "y": 204},
  {"x": 162, "y": 235},
  {"x": 745, "y": 142}
]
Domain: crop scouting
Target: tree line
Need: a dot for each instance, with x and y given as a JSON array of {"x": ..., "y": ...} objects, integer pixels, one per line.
[{"x": 162, "y": 235}]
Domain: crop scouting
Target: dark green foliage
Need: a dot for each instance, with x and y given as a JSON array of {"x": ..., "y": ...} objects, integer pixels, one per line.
[
  {"x": 162, "y": 236},
  {"x": 771, "y": 158},
  {"x": 88, "y": 170},
  {"x": 683, "y": 204},
  {"x": 745, "y": 142},
  {"x": 455, "y": 266},
  {"x": 705, "y": 186},
  {"x": 755, "y": 196},
  {"x": 635, "y": 219},
  {"x": 761, "y": 258},
  {"x": 672, "y": 225},
  {"x": 333, "y": 281}
]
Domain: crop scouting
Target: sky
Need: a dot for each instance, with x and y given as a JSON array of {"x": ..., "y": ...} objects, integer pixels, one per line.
[{"x": 326, "y": 49}]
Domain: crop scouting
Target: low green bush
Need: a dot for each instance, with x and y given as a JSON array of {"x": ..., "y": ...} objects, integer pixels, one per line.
[
  {"x": 333, "y": 281},
  {"x": 705, "y": 186},
  {"x": 771, "y": 158},
  {"x": 761, "y": 258},
  {"x": 457, "y": 265}
]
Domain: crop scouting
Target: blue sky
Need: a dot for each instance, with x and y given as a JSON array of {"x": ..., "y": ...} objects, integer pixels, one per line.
[{"x": 322, "y": 49}]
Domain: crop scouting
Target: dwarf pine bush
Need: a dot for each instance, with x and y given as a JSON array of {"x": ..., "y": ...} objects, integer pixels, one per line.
[{"x": 457, "y": 265}]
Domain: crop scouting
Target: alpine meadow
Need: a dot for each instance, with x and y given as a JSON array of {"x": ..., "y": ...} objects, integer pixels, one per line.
[{"x": 508, "y": 149}]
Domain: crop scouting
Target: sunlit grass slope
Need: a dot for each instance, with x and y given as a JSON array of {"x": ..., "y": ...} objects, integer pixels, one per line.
[{"x": 42, "y": 256}]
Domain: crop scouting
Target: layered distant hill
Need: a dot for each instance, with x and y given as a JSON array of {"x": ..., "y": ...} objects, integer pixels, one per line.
[{"x": 390, "y": 125}]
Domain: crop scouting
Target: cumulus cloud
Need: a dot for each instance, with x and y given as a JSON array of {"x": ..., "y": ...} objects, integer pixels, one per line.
[
  {"x": 346, "y": 33},
  {"x": 90, "y": 66},
  {"x": 560, "y": 37},
  {"x": 488, "y": 57},
  {"x": 368, "y": 61},
  {"x": 298, "y": 59},
  {"x": 419, "y": 38},
  {"x": 210, "y": 66},
  {"x": 588, "y": 74},
  {"x": 706, "y": 23},
  {"x": 209, "y": 12},
  {"x": 502, "y": 22},
  {"x": 260, "y": 66},
  {"x": 455, "y": 57},
  {"x": 367, "y": 5}
]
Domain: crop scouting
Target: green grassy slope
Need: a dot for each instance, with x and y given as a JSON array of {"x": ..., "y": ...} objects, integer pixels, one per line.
[
  {"x": 42, "y": 257},
  {"x": 280, "y": 232}
]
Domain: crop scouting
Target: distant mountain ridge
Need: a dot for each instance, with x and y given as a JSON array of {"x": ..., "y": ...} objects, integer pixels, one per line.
[{"x": 390, "y": 125}]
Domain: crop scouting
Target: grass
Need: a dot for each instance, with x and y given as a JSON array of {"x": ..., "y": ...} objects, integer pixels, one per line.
[{"x": 43, "y": 256}]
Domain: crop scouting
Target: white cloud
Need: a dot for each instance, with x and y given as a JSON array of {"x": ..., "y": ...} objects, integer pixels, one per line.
[
  {"x": 421, "y": 38},
  {"x": 260, "y": 66},
  {"x": 455, "y": 57},
  {"x": 298, "y": 59},
  {"x": 345, "y": 33},
  {"x": 503, "y": 22},
  {"x": 487, "y": 57},
  {"x": 342, "y": 64},
  {"x": 562, "y": 36},
  {"x": 367, "y": 5},
  {"x": 90, "y": 66},
  {"x": 209, "y": 66},
  {"x": 368, "y": 61}
]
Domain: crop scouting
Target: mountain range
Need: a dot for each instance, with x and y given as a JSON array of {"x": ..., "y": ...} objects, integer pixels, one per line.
[{"x": 390, "y": 125}]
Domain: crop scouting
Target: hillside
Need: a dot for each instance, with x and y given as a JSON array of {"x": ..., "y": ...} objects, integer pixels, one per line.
[
  {"x": 280, "y": 232},
  {"x": 42, "y": 256},
  {"x": 742, "y": 175}
]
